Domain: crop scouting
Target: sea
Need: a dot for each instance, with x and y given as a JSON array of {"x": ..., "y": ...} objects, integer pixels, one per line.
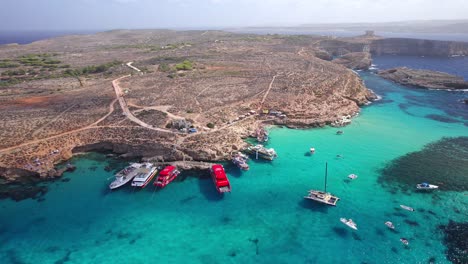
[{"x": 408, "y": 135}]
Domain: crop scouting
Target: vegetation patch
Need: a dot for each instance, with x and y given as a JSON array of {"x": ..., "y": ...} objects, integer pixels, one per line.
[
  {"x": 92, "y": 69},
  {"x": 184, "y": 66}
]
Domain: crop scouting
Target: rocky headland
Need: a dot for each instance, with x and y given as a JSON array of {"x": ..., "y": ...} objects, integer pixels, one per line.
[
  {"x": 355, "y": 60},
  {"x": 424, "y": 78}
]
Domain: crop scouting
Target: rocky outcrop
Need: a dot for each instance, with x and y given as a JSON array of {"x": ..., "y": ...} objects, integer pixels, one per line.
[
  {"x": 424, "y": 78},
  {"x": 418, "y": 47},
  {"x": 355, "y": 60}
]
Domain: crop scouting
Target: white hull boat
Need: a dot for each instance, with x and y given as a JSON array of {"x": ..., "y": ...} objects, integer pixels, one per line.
[
  {"x": 144, "y": 175},
  {"x": 389, "y": 225},
  {"x": 426, "y": 186},
  {"x": 352, "y": 176},
  {"x": 407, "y": 208},
  {"x": 349, "y": 223},
  {"x": 124, "y": 176}
]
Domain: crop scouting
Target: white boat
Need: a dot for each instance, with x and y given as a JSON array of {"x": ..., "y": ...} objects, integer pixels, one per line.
[
  {"x": 407, "y": 208},
  {"x": 389, "y": 225},
  {"x": 352, "y": 176},
  {"x": 404, "y": 241},
  {"x": 312, "y": 150},
  {"x": 125, "y": 175},
  {"x": 426, "y": 186},
  {"x": 349, "y": 223},
  {"x": 144, "y": 175}
]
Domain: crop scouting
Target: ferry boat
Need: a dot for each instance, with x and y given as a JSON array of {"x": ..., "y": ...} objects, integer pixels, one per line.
[
  {"x": 240, "y": 160},
  {"x": 261, "y": 152},
  {"x": 323, "y": 196},
  {"x": 426, "y": 186},
  {"x": 167, "y": 175},
  {"x": 144, "y": 175},
  {"x": 220, "y": 179},
  {"x": 124, "y": 176}
]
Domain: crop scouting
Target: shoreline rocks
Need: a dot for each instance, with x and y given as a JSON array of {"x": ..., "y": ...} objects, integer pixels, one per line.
[{"x": 424, "y": 78}]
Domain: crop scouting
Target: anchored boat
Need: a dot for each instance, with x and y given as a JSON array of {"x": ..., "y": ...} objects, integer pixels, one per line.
[
  {"x": 240, "y": 160},
  {"x": 323, "y": 196},
  {"x": 261, "y": 152},
  {"x": 144, "y": 175},
  {"x": 167, "y": 175},
  {"x": 349, "y": 223},
  {"x": 124, "y": 176},
  {"x": 389, "y": 225},
  {"x": 426, "y": 186},
  {"x": 407, "y": 208},
  {"x": 220, "y": 179}
]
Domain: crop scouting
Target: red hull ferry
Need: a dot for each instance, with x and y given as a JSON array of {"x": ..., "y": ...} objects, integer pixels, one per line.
[
  {"x": 167, "y": 175},
  {"x": 220, "y": 179}
]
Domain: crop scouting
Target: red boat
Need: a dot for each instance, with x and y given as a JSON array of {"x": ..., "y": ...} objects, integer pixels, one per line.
[
  {"x": 168, "y": 174},
  {"x": 220, "y": 179}
]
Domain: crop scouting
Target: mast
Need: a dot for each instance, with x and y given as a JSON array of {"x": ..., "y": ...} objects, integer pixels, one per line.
[{"x": 326, "y": 174}]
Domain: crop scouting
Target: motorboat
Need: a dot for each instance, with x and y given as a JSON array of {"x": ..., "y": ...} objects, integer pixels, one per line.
[
  {"x": 407, "y": 208},
  {"x": 240, "y": 160},
  {"x": 167, "y": 175},
  {"x": 349, "y": 223},
  {"x": 144, "y": 175},
  {"x": 339, "y": 132},
  {"x": 312, "y": 150},
  {"x": 352, "y": 176},
  {"x": 389, "y": 225},
  {"x": 220, "y": 179},
  {"x": 323, "y": 196},
  {"x": 404, "y": 241},
  {"x": 124, "y": 176},
  {"x": 426, "y": 186}
]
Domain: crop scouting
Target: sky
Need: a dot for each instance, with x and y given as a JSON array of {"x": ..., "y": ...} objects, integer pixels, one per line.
[{"x": 16, "y": 15}]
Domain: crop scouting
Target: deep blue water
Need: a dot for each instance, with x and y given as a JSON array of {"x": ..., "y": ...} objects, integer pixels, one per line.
[{"x": 26, "y": 37}]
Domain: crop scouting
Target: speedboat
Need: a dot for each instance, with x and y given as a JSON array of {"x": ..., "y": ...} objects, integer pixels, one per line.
[
  {"x": 124, "y": 176},
  {"x": 144, "y": 175},
  {"x": 389, "y": 225},
  {"x": 426, "y": 186},
  {"x": 312, "y": 150},
  {"x": 349, "y": 223},
  {"x": 352, "y": 176},
  {"x": 404, "y": 241},
  {"x": 407, "y": 208}
]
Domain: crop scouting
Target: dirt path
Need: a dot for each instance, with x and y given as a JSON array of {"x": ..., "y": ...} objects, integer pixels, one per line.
[{"x": 267, "y": 92}]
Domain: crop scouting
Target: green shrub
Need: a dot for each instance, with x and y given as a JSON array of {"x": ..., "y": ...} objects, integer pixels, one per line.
[
  {"x": 184, "y": 66},
  {"x": 164, "y": 67},
  {"x": 210, "y": 125}
]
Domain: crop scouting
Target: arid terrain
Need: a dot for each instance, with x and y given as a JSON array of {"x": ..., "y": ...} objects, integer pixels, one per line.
[{"x": 138, "y": 93}]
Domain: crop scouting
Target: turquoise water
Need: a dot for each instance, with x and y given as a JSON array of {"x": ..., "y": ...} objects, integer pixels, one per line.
[{"x": 265, "y": 219}]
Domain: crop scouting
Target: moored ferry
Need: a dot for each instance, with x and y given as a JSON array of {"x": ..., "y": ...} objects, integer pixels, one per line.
[
  {"x": 124, "y": 176},
  {"x": 144, "y": 175},
  {"x": 261, "y": 152},
  {"x": 220, "y": 179},
  {"x": 168, "y": 174}
]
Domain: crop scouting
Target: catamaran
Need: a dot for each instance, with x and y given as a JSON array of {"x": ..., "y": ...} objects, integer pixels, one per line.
[
  {"x": 220, "y": 179},
  {"x": 167, "y": 175},
  {"x": 323, "y": 197},
  {"x": 144, "y": 175},
  {"x": 426, "y": 186},
  {"x": 125, "y": 175}
]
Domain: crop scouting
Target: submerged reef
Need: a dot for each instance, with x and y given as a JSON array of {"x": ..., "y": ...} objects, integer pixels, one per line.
[
  {"x": 444, "y": 163},
  {"x": 455, "y": 239}
]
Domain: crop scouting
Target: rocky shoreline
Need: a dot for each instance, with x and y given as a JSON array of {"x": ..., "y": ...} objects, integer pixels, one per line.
[{"x": 424, "y": 79}]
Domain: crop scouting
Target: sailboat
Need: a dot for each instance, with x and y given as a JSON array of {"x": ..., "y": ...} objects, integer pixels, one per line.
[{"x": 323, "y": 196}]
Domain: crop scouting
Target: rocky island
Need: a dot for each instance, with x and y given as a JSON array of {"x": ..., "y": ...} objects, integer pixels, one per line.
[{"x": 424, "y": 78}]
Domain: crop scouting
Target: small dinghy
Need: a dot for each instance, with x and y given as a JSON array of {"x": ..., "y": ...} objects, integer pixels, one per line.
[
  {"x": 349, "y": 223},
  {"x": 352, "y": 176},
  {"x": 407, "y": 208},
  {"x": 312, "y": 150},
  {"x": 339, "y": 132},
  {"x": 426, "y": 186},
  {"x": 389, "y": 225},
  {"x": 404, "y": 241}
]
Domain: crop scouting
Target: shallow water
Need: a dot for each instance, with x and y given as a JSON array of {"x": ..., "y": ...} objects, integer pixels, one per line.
[{"x": 265, "y": 219}]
